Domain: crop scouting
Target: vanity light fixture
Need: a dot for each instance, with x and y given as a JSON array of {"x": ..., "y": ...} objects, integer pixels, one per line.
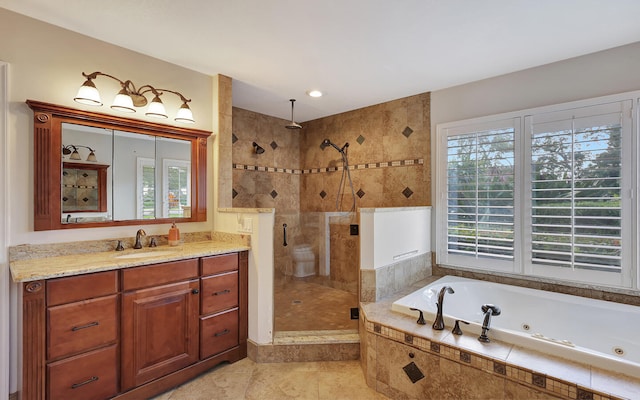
[
  {"x": 71, "y": 150},
  {"x": 130, "y": 97}
]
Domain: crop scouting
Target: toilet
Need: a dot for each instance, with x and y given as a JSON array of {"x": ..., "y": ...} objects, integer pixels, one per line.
[{"x": 304, "y": 261}]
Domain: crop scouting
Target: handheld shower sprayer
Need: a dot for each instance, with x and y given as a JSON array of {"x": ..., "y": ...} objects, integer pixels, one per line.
[{"x": 328, "y": 142}]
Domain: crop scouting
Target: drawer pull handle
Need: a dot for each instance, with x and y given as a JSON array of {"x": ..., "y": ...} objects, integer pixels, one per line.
[
  {"x": 88, "y": 381},
  {"x": 195, "y": 291},
  {"x": 221, "y": 292},
  {"x": 222, "y": 333},
  {"x": 89, "y": 325}
]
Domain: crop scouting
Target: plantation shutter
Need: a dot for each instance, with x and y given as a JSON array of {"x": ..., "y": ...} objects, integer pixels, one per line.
[
  {"x": 576, "y": 189},
  {"x": 480, "y": 195}
]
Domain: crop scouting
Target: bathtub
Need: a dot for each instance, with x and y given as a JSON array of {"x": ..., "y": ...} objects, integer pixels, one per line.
[{"x": 595, "y": 332}]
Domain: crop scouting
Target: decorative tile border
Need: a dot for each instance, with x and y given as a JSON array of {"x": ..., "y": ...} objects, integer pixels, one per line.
[
  {"x": 387, "y": 164},
  {"x": 521, "y": 375}
]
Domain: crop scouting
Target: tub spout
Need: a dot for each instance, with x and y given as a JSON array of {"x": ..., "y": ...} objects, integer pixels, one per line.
[
  {"x": 488, "y": 310},
  {"x": 438, "y": 324}
]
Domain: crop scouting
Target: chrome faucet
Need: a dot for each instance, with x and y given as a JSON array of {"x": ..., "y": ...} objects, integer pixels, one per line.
[
  {"x": 438, "y": 324},
  {"x": 488, "y": 310},
  {"x": 139, "y": 234}
]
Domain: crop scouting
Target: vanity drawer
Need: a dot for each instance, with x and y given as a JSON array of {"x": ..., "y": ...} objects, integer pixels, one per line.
[
  {"x": 159, "y": 274},
  {"x": 81, "y": 287},
  {"x": 219, "y": 292},
  {"x": 217, "y": 264},
  {"x": 218, "y": 333},
  {"x": 80, "y": 326},
  {"x": 90, "y": 376}
]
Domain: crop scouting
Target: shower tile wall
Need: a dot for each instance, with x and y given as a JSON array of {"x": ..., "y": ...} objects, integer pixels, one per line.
[{"x": 389, "y": 151}]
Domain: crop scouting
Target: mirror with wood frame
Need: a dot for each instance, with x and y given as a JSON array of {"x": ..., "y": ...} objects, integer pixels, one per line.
[{"x": 94, "y": 170}]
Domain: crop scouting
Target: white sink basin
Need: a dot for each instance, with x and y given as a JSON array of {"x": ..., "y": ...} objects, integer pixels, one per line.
[{"x": 144, "y": 254}]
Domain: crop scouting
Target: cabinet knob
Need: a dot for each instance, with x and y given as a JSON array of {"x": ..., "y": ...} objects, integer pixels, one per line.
[{"x": 195, "y": 291}]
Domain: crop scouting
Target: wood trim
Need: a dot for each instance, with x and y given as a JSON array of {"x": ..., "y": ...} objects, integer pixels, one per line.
[
  {"x": 243, "y": 301},
  {"x": 48, "y": 119},
  {"x": 33, "y": 341}
]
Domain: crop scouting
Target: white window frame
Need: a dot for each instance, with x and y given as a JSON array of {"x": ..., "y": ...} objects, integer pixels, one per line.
[
  {"x": 444, "y": 132},
  {"x": 141, "y": 163},
  {"x": 166, "y": 164},
  {"x": 629, "y": 277}
]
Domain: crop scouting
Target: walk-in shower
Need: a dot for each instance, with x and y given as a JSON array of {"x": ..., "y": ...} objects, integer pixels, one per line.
[{"x": 345, "y": 174}]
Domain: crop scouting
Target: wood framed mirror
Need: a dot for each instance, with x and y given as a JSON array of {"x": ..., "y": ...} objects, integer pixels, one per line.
[{"x": 127, "y": 171}]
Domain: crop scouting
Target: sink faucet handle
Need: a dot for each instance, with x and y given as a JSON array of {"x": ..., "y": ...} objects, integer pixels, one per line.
[
  {"x": 153, "y": 243},
  {"x": 421, "y": 320},
  {"x": 456, "y": 328},
  {"x": 119, "y": 246}
]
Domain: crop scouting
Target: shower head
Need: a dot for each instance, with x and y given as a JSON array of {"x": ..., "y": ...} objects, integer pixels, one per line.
[
  {"x": 328, "y": 142},
  {"x": 293, "y": 124},
  {"x": 257, "y": 148}
]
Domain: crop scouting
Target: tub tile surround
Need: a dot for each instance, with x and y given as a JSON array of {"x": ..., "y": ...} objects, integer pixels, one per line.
[
  {"x": 377, "y": 284},
  {"x": 462, "y": 367},
  {"x": 616, "y": 295}
]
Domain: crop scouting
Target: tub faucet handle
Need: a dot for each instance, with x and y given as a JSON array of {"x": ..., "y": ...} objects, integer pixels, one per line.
[
  {"x": 456, "y": 328},
  {"x": 421, "y": 320}
]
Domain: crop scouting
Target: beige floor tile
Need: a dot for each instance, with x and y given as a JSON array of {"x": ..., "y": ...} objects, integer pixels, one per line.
[{"x": 246, "y": 380}]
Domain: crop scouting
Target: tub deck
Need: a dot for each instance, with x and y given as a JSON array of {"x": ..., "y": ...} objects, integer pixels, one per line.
[{"x": 553, "y": 375}]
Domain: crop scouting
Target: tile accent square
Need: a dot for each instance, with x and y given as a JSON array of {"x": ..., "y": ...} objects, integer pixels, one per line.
[
  {"x": 408, "y": 338},
  {"x": 360, "y": 193},
  {"x": 377, "y": 328},
  {"x": 360, "y": 139},
  {"x": 274, "y": 194},
  {"x": 274, "y": 145},
  {"x": 407, "y": 132},
  {"x": 465, "y": 357},
  {"x": 584, "y": 394},
  {"x": 234, "y": 138},
  {"x": 323, "y": 194},
  {"x": 539, "y": 380},
  {"x": 435, "y": 347},
  {"x": 233, "y": 193},
  {"x": 407, "y": 192},
  {"x": 499, "y": 368}
]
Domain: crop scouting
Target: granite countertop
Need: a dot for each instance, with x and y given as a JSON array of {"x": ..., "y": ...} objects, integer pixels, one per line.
[{"x": 67, "y": 265}]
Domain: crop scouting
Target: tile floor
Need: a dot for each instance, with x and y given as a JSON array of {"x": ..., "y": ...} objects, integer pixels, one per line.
[
  {"x": 309, "y": 304},
  {"x": 245, "y": 379}
]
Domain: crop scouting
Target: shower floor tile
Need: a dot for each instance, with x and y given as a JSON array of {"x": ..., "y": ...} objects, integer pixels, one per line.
[{"x": 310, "y": 305}]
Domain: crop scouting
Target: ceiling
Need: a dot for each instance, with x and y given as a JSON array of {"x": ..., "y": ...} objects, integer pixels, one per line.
[{"x": 358, "y": 52}]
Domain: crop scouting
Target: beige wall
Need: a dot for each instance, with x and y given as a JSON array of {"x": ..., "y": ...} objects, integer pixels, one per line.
[{"x": 45, "y": 63}]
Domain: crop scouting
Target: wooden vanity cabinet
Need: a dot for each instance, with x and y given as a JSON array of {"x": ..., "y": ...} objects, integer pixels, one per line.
[
  {"x": 135, "y": 332},
  {"x": 82, "y": 336},
  {"x": 159, "y": 320}
]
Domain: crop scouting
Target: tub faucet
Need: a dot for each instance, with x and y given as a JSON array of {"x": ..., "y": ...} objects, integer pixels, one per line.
[
  {"x": 139, "y": 234},
  {"x": 488, "y": 310},
  {"x": 438, "y": 324}
]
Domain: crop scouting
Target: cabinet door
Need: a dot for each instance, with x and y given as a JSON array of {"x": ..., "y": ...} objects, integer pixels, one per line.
[{"x": 159, "y": 331}]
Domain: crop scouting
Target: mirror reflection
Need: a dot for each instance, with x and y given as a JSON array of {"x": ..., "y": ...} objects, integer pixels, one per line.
[{"x": 113, "y": 175}]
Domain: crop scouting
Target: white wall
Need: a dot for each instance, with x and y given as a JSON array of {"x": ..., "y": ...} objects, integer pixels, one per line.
[
  {"x": 5, "y": 331},
  {"x": 389, "y": 235}
]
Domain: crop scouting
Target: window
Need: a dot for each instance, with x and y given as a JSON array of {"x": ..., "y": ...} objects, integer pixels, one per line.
[
  {"x": 562, "y": 210},
  {"x": 145, "y": 187},
  {"x": 176, "y": 187},
  {"x": 480, "y": 194}
]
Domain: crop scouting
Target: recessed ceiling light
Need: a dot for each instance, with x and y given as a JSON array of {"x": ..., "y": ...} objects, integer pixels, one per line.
[{"x": 314, "y": 93}]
